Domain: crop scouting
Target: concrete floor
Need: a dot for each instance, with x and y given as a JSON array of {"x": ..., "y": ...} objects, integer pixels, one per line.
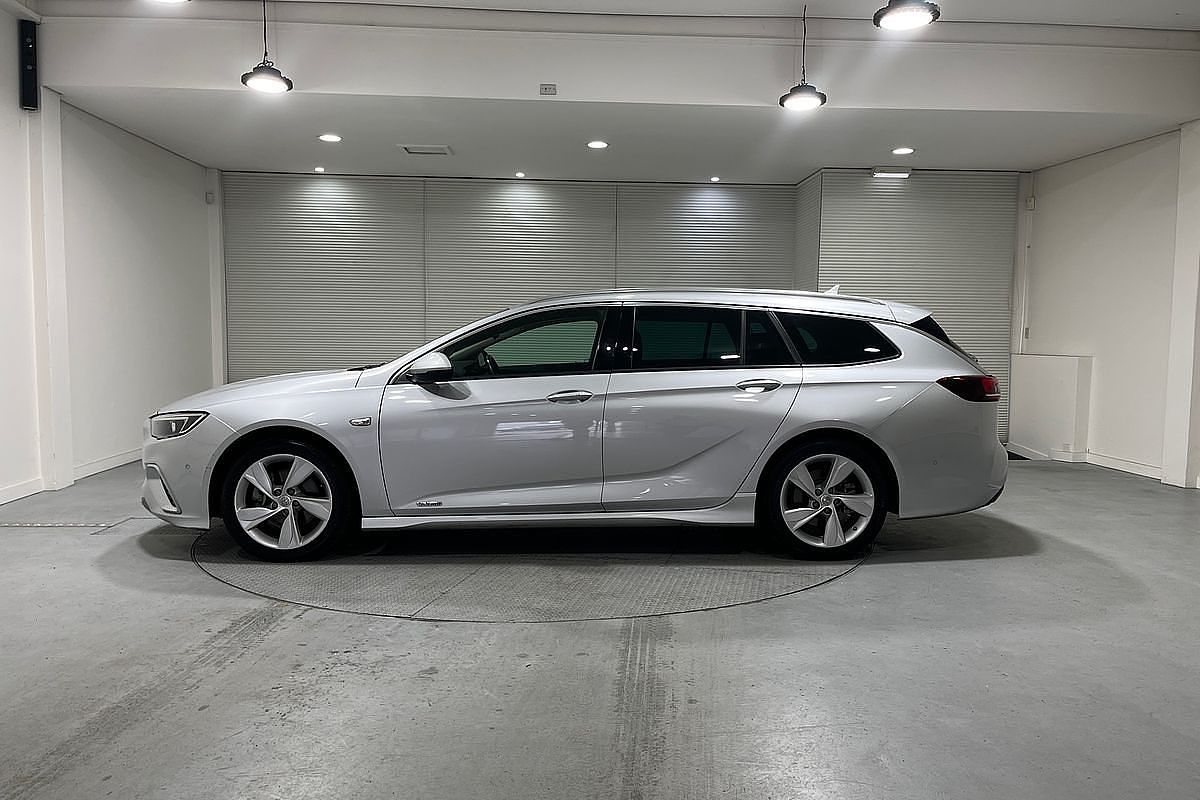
[{"x": 1048, "y": 647}]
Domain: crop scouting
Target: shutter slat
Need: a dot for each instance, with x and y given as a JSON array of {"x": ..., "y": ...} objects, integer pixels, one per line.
[
  {"x": 497, "y": 244},
  {"x": 943, "y": 241},
  {"x": 321, "y": 272},
  {"x": 705, "y": 236}
]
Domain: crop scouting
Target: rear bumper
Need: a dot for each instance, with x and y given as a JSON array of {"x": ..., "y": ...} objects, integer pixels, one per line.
[{"x": 947, "y": 455}]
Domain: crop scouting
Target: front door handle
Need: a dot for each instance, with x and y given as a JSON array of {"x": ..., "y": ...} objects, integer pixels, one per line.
[
  {"x": 759, "y": 385},
  {"x": 570, "y": 396}
]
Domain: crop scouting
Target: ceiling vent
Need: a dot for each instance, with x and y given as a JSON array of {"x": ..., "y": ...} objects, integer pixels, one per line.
[{"x": 427, "y": 149}]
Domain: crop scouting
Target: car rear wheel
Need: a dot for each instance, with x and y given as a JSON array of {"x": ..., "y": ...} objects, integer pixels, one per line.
[
  {"x": 826, "y": 499},
  {"x": 286, "y": 501}
]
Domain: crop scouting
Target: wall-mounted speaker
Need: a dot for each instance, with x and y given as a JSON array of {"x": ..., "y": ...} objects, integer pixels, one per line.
[{"x": 30, "y": 94}]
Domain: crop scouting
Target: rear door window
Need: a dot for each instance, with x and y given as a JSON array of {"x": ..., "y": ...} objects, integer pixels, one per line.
[
  {"x": 682, "y": 337},
  {"x": 836, "y": 341},
  {"x": 765, "y": 346}
]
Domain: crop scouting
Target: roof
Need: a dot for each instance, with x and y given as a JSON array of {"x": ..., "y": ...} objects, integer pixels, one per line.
[{"x": 767, "y": 298}]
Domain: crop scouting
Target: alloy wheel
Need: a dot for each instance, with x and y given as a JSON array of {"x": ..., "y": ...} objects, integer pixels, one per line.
[
  {"x": 283, "y": 501},
  {"x": 827, "y": 500}
]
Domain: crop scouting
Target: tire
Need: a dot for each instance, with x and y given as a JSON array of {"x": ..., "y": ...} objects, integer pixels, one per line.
[
  {"x": 283, "y": 521},
  {"x": 860, "y": 500}
]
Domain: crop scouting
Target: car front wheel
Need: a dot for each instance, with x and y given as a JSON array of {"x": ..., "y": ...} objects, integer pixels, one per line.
[
  {"x": 826, "y": 499},
  {"x": 286, "y": 501}
]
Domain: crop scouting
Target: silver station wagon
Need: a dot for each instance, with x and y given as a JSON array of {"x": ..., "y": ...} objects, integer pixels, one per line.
[{"x": 811, "y": 415}]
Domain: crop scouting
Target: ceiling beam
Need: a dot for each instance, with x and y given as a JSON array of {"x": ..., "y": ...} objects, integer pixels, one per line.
[
  {"x": 742, "y": 27},
  {"x": 20, "y": 9},
  {"x": 672, "y": 70}
]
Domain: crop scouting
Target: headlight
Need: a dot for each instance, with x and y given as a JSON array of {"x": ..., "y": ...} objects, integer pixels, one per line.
[{"x": 168, "y": 426}]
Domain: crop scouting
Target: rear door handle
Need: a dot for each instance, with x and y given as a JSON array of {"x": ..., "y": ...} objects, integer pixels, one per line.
[
  {"x": 570, "y": 396},
  {"x": 759, "y": 385}
]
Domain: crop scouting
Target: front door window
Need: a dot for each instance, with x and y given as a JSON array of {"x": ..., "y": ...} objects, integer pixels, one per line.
[{"x": 560, "y": 342}]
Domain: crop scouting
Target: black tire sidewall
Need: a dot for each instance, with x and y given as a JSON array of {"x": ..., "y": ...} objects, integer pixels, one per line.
[
  {"x": 771, "y": 516},
  {"x": 340, "y": 491}
]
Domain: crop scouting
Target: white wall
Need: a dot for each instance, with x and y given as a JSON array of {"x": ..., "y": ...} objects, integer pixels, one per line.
[
  {"x": 1100, "y": 275},
  {"x": 19, "y": 461},
  {"x": 137, "y": 285}
]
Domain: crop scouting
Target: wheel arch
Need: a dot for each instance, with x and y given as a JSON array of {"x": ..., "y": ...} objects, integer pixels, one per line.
[
  {"x": 270, "y": 433},
  {"x": 837, "y": 434}
]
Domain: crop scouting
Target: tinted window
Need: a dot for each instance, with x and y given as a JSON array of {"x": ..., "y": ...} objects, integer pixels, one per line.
[
  {"x": 764, "y": 346},
  {"x": 549, "y": 343},
  {"x": 834, "y": 340},
  {"x": 929, "y": 325},
  {"x": 669, "y": 337}
]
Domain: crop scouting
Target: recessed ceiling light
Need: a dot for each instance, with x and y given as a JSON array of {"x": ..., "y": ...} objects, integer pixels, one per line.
[
  {"x": 903, "y": 151},
  {"x": 715, "y": 179},
  {"x": 520, "y": 174},
  {"x": 318, "y": 169},
  {"x": 172, "y": 2},
  {"x": 905, "y": 15},
  {"x": 596, "y": 144},
  {"x": 329, "y": 137},
  {"x": 891, "y": 172}
]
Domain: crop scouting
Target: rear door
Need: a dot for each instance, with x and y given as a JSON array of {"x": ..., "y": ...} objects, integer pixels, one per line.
[{"x": 696, "y": 394}]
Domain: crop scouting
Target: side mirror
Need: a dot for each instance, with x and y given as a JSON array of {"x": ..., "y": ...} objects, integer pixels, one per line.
[{"x": 430, "y": 368}]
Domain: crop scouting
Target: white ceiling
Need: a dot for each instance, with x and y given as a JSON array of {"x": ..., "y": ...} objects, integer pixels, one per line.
[
  {"x": 244, "y": 131},
  {"x": 1170, "y": 14}
]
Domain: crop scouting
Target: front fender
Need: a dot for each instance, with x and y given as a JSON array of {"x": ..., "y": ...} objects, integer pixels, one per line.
[{"x": 325, "y": 415}]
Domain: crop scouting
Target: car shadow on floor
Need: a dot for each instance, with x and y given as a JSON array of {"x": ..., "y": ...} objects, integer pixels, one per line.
[
  {"x": 958, "y": 538},
  {"x": 963, "y": 537}
]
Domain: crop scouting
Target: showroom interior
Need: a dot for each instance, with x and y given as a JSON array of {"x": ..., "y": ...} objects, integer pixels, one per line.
[{"x": 1027, "y": 171}]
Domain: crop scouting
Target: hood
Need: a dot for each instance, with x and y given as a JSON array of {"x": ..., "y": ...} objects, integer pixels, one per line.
[{"x": 294, "y": 383}]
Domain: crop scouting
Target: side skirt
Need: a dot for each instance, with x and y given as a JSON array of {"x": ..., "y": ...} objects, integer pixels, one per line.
[{"x": 738, "y": 511}]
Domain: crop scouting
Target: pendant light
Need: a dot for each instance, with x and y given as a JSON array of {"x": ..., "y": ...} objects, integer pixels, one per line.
[
  {"x": 264, "y": 77},
  {"x": 803, "y": 96},
  {"x": 905, "y": 15}
]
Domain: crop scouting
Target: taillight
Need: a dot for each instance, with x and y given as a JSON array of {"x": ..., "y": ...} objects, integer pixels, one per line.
[{"x": 976, "y": 388}]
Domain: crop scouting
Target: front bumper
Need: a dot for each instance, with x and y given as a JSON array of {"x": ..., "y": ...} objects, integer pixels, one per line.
[{"x": 177, "y": 471}]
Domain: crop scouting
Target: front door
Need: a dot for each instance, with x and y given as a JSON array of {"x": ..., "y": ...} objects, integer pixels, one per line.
[
  {"x": 517, "y": 428},
  {"x": 694, "y": 399}
]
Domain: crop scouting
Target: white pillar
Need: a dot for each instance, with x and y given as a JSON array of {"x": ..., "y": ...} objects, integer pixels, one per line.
[
  {"x": 1020, "y": 296},
  {"x": 50, "y": 293},
  {"x": 1181, "y": 432},
  {"x": 216, "y": 271}
]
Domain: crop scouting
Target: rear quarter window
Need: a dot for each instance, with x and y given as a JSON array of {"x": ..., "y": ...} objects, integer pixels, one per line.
[
  {"x": 930, "y": 326},
  {"x": 836, "y": 341}
]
